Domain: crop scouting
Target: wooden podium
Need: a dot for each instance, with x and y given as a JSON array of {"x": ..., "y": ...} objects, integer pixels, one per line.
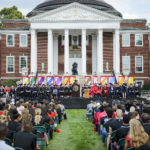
[
  {"x": 75, "y": 90},
  {"x": 86, "y": 93}
]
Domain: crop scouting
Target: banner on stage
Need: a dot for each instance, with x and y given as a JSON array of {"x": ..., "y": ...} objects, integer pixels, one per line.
[
  {"x": 66, "y": 80},
  {"x": 57, "y": 80},
  {"x": 25, "y": 80},
  {"x": 111, "y": 80},
  {"x": 88, "y": 80},
  {"x": 121, "y": 80},
  {"x": 69, "y": 80},
  {"x": 32, "y": 80},
  {"x": 95, "y": 79},
  {"x": 104, "y": 80},
  {"x": 41, "y": 80},
  {"x": 72, "y": 79},
  {"x": 130, "y": 80},
  {"x": 50, "y": 80}
]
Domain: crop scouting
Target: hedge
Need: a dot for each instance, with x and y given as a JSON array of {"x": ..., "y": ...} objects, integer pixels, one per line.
[
  {"x": 146, "y": 87},
  {"x": 9, "y": 83}
]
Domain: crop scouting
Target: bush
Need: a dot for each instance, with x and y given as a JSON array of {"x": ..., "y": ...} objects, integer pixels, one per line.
[
  {"x": 10, "y": 83},
  {"x": 146, "y": 87}
]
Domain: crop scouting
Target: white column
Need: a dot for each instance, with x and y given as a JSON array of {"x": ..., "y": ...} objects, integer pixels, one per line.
[
  {"x": 55, "y": 54},
  {"x": 33, "y": 52},
  {"x": 114, "y": 53},
  {"x": 117, "y": 52},
  {"x": 50, "y": 51},
  {"x": 94, "y": 54},
  {"x": 84, "y": 51},
  {"x": 100, "y": 52},
  {"x": 66, "y": 55}
]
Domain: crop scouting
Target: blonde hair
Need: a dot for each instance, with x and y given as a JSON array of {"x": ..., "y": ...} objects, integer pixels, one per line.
[
  {"x": 137, "y": 135},
  {"x": 3, "y": 119},
  {"x": 38, "y": 116},
  {"x": 6, "y": 113}
]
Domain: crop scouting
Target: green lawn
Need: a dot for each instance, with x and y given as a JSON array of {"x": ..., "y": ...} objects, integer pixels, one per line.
[{"x": 76, "y": 134}]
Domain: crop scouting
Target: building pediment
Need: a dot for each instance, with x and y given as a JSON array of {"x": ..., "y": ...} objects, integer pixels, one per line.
[{"x": 74, "y": 12}]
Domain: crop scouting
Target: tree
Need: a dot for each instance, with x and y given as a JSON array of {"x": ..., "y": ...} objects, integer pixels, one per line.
[{"x": 11, "y": 13}]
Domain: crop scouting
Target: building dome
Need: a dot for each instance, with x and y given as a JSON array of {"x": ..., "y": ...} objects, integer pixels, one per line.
[{"x": 53, "y": 4}]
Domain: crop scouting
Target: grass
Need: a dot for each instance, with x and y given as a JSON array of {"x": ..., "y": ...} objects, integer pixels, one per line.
[{"x": 76, "y": 134}]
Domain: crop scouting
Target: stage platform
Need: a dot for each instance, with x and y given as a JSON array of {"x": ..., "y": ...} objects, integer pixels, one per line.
[{"x": 81, "y": 103}]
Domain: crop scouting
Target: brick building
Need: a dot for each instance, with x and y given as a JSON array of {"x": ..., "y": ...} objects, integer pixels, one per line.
[{"x": 57, "y": 34}]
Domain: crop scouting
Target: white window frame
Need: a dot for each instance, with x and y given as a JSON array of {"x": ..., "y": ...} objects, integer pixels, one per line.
[
  {"x": 142, "y": 65},
  {"x": 26, "y": 40},
  {"x": 142, "y": 81},
  {"x": 7, "y": 64},
  {"x": 129, "y": 63},
  {"x": 136, "y": 39},
  {"x": 62, "y": 40},
  {"x": 20, "y": 62},
  {"x": 13, "y": 40},
  {"x": 128, "y": 45}
]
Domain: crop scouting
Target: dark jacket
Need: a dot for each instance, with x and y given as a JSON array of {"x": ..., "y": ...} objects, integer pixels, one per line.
[{"x": 25, "y": 140}]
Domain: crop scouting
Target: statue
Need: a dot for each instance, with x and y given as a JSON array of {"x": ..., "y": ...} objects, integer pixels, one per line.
[{"x": 74, "y": 69}]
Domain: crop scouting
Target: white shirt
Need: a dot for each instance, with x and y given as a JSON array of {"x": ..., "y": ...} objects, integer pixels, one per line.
[{"x": 4, "y": 146}]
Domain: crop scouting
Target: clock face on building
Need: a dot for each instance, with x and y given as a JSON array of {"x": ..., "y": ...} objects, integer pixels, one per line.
[{"x": 75, "y": 88}]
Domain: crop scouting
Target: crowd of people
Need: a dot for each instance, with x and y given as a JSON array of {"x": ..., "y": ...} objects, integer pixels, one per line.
[
  {"x": 22, "y": 123},
  {"x": 123, "y": 125},
  {"x": 61, "y": 91}
]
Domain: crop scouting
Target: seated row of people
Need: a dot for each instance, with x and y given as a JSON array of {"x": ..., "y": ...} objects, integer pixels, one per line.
[
  {"x": 129, "y": 121},
  {"x": 22, "y": 118},
  {"x": 113, "y": 90}
]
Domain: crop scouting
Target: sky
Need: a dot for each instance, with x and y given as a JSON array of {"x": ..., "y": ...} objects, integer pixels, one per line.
[{"x": 129, "y": 8}]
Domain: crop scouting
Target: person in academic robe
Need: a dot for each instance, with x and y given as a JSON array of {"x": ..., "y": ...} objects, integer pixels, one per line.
[
  {"x": 66, "y": 90},
  {"x": 137, "y": 90},
  {"x": 34, "y": 91},
  {"x": 112, "y": 90},
  {"x": 1, "y": 91},
  {"x": 131, "y": 90},
  {"x": 27, "y": 91},
  {"x": 61, "y": 91},
  {"x": 99, "y": 91},
  {"x": 93, "y": 90},
  {"x": 12, "y": 91},
  {"x": 55, "y": 92},
  {"x": 105, "y": 91}
]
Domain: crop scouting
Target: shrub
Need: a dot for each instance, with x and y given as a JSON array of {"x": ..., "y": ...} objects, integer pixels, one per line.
[
  {"x": 10, "y": 83},
  {"x": 146, "y": 87}
]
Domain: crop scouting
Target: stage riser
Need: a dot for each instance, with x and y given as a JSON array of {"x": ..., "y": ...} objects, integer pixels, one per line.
[{"x": 81, "y": 103}]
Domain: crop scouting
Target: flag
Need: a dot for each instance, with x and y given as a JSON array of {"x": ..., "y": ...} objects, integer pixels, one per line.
[
  {"x": 104, "y": 80},
  {"x": 111, "y": 80},
  {"x": 25, "y": 80},
  {"x": 95, "y": 78},
  {"x": 57, "y": 80},
  {"x": 121, "y": 80},
  {"x": 50, "y": 80},
  {"x": 130, "y": 80},
  {"x": 41, "y": 80},
  {"x": 66, "y": 80},
  {"x": 32, "y": 80},
  {"x": 88, "y": 80},
  {"x": 72, "y": 79}
]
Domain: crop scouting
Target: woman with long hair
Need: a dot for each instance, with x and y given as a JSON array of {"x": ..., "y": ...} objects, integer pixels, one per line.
[{"x": 136, "y": 136}]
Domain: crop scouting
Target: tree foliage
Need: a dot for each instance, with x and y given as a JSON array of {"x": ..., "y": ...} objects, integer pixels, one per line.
[{"x": 11, "y": 13}]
